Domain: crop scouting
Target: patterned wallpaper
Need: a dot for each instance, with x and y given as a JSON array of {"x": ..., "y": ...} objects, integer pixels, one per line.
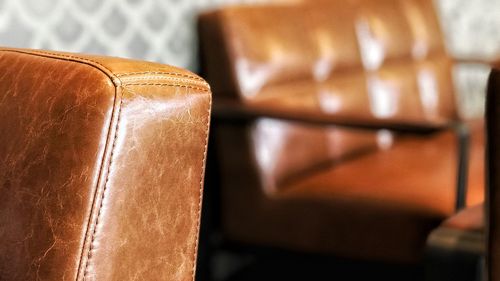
[
  {"x": 157, "y": 30},
  {"x": 164, "y": 31},
  {"x": 472, "y": 29}
]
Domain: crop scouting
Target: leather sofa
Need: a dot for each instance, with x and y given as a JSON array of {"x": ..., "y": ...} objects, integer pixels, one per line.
[
  {"x": 101, "y": 167},
  {"x": 335, "y": 127}
]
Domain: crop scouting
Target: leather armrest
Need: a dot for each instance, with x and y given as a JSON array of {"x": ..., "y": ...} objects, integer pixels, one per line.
[
  {"x": 101, "y": 167},
  {"x": 232, "y": 111}
]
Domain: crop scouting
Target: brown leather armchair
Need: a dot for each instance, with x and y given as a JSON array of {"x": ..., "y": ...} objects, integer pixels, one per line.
[
  {"x": 101, "y": 163},
  {"x": 334, "y": 126}
]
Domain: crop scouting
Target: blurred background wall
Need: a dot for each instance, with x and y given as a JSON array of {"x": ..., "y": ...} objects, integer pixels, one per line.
[
  {"x": 164, "y": 31},
  {"x": 156, "y": 30}
]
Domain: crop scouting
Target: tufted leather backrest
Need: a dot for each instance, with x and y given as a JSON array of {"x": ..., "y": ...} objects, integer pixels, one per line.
[
  {"x": 360, "y": 59},
  {"x": 380, "y": 59},
  {"x": 101, "y": 167}
]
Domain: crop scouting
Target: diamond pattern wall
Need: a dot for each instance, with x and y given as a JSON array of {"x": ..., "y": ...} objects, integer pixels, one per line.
[{"x": 147, "y": 29}]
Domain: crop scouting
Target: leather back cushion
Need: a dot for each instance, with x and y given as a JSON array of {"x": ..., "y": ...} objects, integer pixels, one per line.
[
  {"x": 382, "y": 59},
  {"x": 359, "y": 59}
]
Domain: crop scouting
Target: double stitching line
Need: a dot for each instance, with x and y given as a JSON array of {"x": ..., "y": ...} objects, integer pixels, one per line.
[
  {"x": 161, "y": 73},
  {"x": 108, "y": 172},
  {"x": 167, "y": 85},
  {"x": 203, "y": 162}
]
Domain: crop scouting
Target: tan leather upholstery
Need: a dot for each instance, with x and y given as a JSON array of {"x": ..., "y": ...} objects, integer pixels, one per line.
[
  {"x": 348, "y": 192},
  {"x": 101, "y": 167}
]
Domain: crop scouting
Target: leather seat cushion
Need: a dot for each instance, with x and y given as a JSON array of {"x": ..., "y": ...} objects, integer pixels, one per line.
[{"x": 381, "y": 205}]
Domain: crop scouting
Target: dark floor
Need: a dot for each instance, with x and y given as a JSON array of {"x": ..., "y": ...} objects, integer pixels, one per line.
[
  {"x": 242, "y": 264},
  {"x": 252, "y": 263},
  {"x": 229, "y": 266}
]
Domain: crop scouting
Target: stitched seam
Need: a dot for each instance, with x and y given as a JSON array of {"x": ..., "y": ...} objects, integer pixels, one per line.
[
  {"x": 73, "y": 57},
  {"x": 163, "y": 77},
  {"x": 107, "y": 71},
  {"x": 89, "y": 254},
  {"x": 170, "y": 79},
  {"x": 203, "y": 162},
  {"x": 114, "y": 77},
  {"x": 159, "y": 72},
  {"x": 167, "y": 85},
  {"x": 89, "y": 220}
]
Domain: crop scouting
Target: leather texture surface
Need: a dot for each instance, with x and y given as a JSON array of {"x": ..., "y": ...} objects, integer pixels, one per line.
[
  {"x": 362, "y": 194},
  {"x": 101, "y": 167}
]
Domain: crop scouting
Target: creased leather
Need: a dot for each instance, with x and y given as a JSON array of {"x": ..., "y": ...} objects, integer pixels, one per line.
[{"x": 101, "y": 167}]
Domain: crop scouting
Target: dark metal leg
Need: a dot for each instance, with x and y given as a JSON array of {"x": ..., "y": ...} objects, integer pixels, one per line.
[{"x": 463, "y": 138}]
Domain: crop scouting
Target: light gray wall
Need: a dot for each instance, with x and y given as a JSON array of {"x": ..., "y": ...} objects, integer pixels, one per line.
[
  {"x": 472, "y": 27},
  {"x": 157, "y": 30}
]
